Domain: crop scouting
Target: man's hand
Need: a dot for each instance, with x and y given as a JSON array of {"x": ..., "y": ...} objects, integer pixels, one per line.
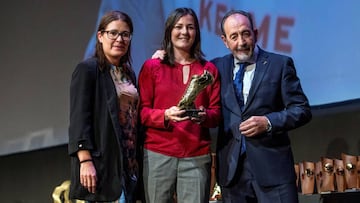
[{"x": 253, "y": 126}]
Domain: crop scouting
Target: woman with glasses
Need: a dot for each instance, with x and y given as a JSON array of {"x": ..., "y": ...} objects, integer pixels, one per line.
[
  {"x": 103, "y": 117},
  {"x": 177, "y": 146}
]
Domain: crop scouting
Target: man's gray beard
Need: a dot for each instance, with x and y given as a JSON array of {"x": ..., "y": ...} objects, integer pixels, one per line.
[{"x": 243, "y": 57}]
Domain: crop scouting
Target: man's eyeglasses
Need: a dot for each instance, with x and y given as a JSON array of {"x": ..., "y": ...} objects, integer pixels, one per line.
[{"x": 113, "y": 34}]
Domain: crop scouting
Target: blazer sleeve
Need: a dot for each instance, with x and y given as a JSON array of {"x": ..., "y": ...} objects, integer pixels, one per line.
[
  {"x": 296, "y": 111},
  {"x": 82, "y": 96}
]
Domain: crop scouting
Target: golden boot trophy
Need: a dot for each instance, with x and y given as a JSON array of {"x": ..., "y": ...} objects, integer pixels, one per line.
[
  {"x": 328, "y": 184},
  {"x": 307, "y": 177},
  {"x": 339, "y": 175},
  {"x": 351, "y": 177},
  {"x": 297, "y": 172},
  {"x": 318, "y": 176},
  {"x": 61, "y": 193},
  {"x": 196, "y": 85},
  {"x": 358, "y": 171},
  {"x": 212, "y": 174}
]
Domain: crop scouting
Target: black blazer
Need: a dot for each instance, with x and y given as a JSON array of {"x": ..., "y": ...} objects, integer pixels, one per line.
[
  {"x": 94, "y": 125},
  {"x": 276, "y": 93}
]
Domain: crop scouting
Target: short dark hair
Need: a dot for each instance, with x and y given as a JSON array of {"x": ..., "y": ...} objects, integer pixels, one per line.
[
  {"x": 232, "y": 12},
  {"x": 105, "y": 20},
  {"x": 167, "y": 45}
]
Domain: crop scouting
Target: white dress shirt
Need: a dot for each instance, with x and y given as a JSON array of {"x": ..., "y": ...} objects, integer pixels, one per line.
[{"x": 248, "y": 75}]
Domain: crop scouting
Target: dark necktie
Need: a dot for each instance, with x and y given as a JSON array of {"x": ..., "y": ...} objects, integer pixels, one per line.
[{"x": 238, "y": 85}]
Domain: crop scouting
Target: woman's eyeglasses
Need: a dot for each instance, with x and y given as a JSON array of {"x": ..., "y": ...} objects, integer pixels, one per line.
[{"x": 114, "y": 34}]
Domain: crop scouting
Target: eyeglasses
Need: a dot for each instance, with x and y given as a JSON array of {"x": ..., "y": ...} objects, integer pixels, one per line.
[{"x": 114, "y": 34}]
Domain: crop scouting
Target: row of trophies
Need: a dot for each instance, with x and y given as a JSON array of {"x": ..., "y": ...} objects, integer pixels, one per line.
[{"x": 329, "y": 175}]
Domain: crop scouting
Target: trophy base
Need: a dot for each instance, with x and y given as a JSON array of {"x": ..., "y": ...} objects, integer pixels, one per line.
[{"x": 192, "y": 113}]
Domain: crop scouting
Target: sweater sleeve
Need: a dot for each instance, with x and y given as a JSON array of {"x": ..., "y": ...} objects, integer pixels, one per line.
[
  {"x": 213, "y": 111},
  {"x": 149, "y": 116}
]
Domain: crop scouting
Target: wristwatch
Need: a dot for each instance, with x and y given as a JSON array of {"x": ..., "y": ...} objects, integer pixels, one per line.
[{"x": 269, "y": 126}]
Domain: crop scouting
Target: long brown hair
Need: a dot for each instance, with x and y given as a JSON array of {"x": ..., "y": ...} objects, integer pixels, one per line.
[
  {"x": 195, "y": 51},
  {"x": 99, "y": 52}
]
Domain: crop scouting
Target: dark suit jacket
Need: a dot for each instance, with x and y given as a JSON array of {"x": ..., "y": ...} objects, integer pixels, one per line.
[
  {"x": 94, "y": 125},
  {"x": 276, "y": 93}
]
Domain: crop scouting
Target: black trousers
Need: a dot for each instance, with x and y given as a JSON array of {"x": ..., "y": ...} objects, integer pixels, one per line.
[{"x": 245, "y": 189}]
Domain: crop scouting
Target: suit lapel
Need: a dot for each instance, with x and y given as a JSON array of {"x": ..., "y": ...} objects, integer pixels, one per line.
[
  {"x": 262, "y": 64},
  {"x": 230, "y": 97},
  {"x": 111, "y": 101}
]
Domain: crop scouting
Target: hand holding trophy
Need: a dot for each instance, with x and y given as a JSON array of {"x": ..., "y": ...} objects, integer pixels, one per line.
[{"x": 196, "y": 85}]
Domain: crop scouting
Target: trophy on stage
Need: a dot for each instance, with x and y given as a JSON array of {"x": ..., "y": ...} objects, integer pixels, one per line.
[{"x": 196, "y": 85}]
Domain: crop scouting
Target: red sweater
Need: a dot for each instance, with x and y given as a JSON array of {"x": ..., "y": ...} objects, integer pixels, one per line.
[{"x": 161, "y": 87}]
